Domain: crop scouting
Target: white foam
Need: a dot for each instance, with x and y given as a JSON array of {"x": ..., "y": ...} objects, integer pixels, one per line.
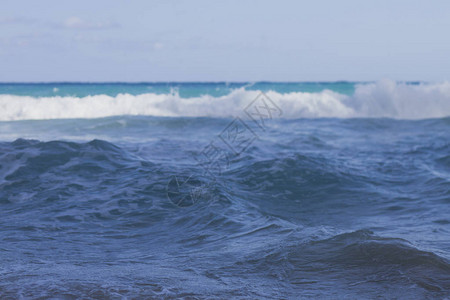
[{"x": 382, "y": 99}]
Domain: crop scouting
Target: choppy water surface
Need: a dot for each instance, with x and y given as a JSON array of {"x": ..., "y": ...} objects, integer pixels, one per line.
[{"x": 312, "y": 208}]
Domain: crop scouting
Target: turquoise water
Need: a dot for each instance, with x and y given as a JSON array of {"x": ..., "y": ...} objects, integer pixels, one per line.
[{"x": 184, "y": 89}]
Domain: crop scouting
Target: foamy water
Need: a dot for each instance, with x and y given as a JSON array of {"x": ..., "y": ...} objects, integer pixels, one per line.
[{"x": 384, "y": 99}]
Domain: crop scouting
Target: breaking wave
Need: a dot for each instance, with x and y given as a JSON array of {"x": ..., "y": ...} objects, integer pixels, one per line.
[{"x": 383, "y": 99}]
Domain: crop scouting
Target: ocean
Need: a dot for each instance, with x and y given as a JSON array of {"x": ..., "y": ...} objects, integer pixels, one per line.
[{"x": 266, "y": 190}]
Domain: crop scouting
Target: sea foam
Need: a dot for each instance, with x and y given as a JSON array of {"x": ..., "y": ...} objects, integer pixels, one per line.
[{"x": 384, "y": 98}]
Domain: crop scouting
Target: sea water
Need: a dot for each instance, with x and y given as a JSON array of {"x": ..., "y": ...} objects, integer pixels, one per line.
[{"x": 225, "y": 190}]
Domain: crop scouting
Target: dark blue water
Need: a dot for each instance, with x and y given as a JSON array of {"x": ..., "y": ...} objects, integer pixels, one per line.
[{"x": 124, "y": 208}]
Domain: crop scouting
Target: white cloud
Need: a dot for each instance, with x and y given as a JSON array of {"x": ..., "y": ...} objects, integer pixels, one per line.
[
  {"x": 158, "y": 45},
  {"x": 79, "y": 23}
]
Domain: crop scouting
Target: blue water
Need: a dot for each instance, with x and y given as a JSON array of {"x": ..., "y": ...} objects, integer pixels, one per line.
[{"x": 123, "y": 206}]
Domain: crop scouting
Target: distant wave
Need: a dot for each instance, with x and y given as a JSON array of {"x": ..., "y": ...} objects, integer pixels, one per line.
[{"x": 384, "y": 98}]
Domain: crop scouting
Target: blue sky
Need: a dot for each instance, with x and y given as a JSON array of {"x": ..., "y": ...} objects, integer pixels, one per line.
[{"x": 224, "y": 40}]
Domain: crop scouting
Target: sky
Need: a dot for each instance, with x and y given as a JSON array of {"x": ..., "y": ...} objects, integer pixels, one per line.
[{"x": 283, "y": 40}]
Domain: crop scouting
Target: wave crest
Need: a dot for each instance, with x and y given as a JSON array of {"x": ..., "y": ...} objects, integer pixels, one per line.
[{"x": 381, "y": 99}]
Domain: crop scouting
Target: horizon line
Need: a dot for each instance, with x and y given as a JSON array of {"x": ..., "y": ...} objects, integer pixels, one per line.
[{"x": 203, "y": 82}]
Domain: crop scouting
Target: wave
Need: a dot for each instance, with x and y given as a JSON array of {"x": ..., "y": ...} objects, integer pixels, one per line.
[
  {"x": 385, "y": 98},
  {"x": 246, "y": 236},
  {"x": 373, "y": 258}
]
